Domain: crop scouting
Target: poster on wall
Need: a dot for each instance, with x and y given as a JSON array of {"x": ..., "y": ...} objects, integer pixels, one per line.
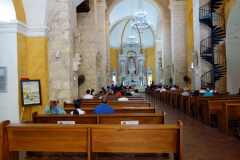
[
  {"x": 3, "y": 79},
  {"x": 30, "y": 92}
]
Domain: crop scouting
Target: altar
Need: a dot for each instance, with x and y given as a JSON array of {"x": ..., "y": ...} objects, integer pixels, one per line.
[{"x": 132, "y": 66}]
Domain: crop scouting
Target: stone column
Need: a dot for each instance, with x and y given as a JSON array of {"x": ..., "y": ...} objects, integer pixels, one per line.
[
  {"x": 62, "y": 23},
  {"x": 158, "y": 44},
  {"x": 201, "y": 31},
  {"x": 89, "y": 48},
  {"x": 109, "y": 75},
  {"x": 178, "y": 38},
  {"x": 101, "y": 41},
  {"x": 193, "y": 78},
  {"x": 166, "y": 49}
]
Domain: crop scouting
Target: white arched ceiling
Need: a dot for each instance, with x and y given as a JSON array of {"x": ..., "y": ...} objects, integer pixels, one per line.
[
  {"x": 232, "y": 49},
  {"x": 123, "y": 9},
  {"x": 7, "y": 10},
  {"x": 122, "y": 30}
]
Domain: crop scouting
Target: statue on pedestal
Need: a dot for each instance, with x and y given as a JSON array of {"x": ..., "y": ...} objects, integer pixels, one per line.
[
  {"x": 141, "y": 67},
  {"x": 131, "y": 68},
  {"x": 78, "y": 41},
  {"x": 194, "y": 57}
]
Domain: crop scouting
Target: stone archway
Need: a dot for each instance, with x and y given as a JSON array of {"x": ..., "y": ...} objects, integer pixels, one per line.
[{"x": 232, "y": 49}]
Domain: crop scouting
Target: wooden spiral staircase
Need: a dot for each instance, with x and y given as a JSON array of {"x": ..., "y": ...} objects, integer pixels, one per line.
[{"x": 208, "y": 15}]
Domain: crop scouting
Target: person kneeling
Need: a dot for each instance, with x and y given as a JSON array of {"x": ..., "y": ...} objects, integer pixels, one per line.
[{"x": 77, "y": 105}]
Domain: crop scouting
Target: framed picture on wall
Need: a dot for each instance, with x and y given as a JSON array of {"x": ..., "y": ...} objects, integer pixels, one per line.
[
  {"x": 30, "y": 92},
  {"x": 3, "y": 79}
]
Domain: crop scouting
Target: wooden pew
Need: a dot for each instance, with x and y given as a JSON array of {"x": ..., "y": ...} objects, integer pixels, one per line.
[
  {"x": 238, "y": 125},
  {"x": 203, "y": 101},
  {"x": 212, "y": 107},
  {"x": 120, "y": 110},
  {"x": 229, "y": 112},
  {"x": 143, "y": 118},
  {"x": 91, "y": 138},
  {"x": 119, "y": 104}
]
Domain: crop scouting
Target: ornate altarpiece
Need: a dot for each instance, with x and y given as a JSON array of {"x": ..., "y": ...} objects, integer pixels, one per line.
[{"x": 132, "y": 65}]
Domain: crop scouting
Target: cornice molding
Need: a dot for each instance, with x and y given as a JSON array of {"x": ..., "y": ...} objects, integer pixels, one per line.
[
  {"x": 177, "y": 3},
  {"x": 16, "y": 26}
]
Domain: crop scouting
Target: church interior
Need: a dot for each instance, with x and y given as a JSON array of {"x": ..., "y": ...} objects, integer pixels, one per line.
[{"x": 66, "y": 47}]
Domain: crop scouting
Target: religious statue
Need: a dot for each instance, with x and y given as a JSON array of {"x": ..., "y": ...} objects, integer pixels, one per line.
[
  {"x": 122, "y": 68},
  {"x": 131, "y": 68},
  {"x": 162, "y": 72},
  {"x": 99, "y": 59},
  {"x": 78, "y": 41},
  {"x": 194, "y": 57},
  {"x": 119, "y": 51},
  {"x": 131, "y": 65}
]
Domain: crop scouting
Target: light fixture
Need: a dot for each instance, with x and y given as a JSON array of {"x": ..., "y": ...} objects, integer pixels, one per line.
[
  {"x": 140, "y": 23},
  {"x": 132, "y": 38}
]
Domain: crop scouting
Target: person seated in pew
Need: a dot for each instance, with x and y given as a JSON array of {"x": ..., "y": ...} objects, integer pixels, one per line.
[
  {"x": 53, "y": 107},
  {"x": 136, "y": 93},
  {"x": 93, "y": 93},
  {"x": 195, "y": 93},
  {"x": 103, "y": 108},
  {"x": 119, "y": 93},
  {"x": 208, "y": 93},
  {"x": 162, "y": 89},
  {"x": 128, "y": 93},
  {"x": 77, "y": 105},
  {"x": 185, "y": 93},
  {"x": 103, "y": 90},
  {"x": 185, "y": 88},
  {"x": 132, "y": 92},
  {"x": 173, "y": 88},
  {"x": 123, "y": 98},
  {"x": 88, "y": 95},
  {"x": 238, "y": 92},
  {"x": 202, "y": 90}
]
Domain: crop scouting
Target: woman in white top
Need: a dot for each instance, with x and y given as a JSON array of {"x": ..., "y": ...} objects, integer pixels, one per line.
[
  {"x": 77, "y": 105},
  {"x": 123, "y": 98}
]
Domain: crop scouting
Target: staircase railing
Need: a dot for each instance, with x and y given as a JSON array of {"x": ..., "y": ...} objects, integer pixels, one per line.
[{"x": 208, "y": 52}]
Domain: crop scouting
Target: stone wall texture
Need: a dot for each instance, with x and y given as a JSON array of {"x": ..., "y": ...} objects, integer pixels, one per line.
[
  {"x": 179, "y": 45},
  {"x": 89, "y": 48},
  {"x": 62, "y": 23}
]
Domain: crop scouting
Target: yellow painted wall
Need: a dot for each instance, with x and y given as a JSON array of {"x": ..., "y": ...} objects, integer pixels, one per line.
[
  {"x": 113, "y": 58},
  {"x": 190, "y": 35},
  {"x": 20, "y": 13},
  {"x": 151, "y": 60},
  {"x": 33, "y": 60}
]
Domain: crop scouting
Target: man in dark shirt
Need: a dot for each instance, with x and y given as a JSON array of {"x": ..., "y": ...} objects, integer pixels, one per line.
[
  {"x": 103, "y": 108},
  {"x": 128, "y": 93}
]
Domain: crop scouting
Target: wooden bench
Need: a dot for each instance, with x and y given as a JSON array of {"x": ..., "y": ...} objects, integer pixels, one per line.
[
  {"x": 143, "y": 118},
  {"x": 203, "y": 101},
  {"x": 238, "y": 125},
  {"x": 229, "y": 112},
  {"x": 91, "y": 138},
  {"x": 120, "y": 110},
  {"x": 211, "y": 108},
  {"x": 119, "y": 104},
  {"x": 85, "y": 101}
]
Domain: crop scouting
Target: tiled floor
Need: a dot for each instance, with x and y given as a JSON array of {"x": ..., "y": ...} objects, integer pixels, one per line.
[{"x": 200, "y": 142}]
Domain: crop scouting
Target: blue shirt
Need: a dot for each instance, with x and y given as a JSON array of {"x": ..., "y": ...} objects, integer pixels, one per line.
[
  {"x": 103, "y": 109},
  {"x": 128, "y": 94},
  {"x": 208, "y": 94}
]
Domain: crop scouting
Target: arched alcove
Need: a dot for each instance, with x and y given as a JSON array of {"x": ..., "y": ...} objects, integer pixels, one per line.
[{"x": 232, "y": 49}]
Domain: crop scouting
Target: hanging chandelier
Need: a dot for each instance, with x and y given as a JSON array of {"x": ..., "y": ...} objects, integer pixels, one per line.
[
  {"x": 132, "y": 40},
  {"x": 140, "y": 23}
]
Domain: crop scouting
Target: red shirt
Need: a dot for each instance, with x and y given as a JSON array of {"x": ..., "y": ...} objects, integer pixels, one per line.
[{"x": 119, "y": 94}]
